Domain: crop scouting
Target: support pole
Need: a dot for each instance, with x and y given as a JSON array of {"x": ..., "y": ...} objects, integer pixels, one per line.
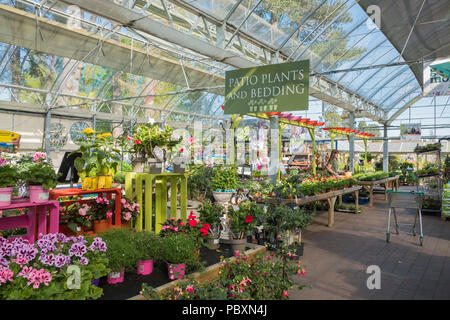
[
  {"x": 235, "y": 121},
  {"x": 313, "y": 139},
  {"x": 385, "y": 150},
  {"x": 332, "y": 137},
  {"x": 280, "y": 146},
  {"x": 274, "y": 149},
  {"x": 351, "y": 162},
  {"x": 365, "y": 154},
  {"x": 48, "y": 120}
]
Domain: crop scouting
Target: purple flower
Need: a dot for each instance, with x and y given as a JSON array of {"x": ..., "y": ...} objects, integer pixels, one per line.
[
  {"x": 61, "y": 260},
  {"x": 4, "y": 264},
  {"x": 84, "y": 261},
  {"x": 6, "y": 249},
  {"x": 61, "y": 237},
  {"x": 98, "y": 244},
  {"x": 48, "y": 260},
  {"x": 52, "y": 237},
  {"x": 77, "y": 249},
  {"x": 27, "y": 252},
  {"x": 80, "y": 239}
]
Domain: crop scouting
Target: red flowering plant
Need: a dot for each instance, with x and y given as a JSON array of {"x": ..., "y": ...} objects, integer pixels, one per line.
[
  {"x": 243, "y": 218},
  {"x": 198, "y": 230},
  {"x": 74, "y": 214}
]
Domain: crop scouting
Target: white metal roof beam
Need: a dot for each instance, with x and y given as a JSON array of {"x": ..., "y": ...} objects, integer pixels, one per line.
[{"x": 148, "y": 25}]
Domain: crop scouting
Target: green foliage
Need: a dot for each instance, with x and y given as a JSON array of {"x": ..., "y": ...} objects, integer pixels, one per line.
[
  {"x": 428, "y": 147},
  {"x": 147, "y": 137},
  {"x": 121, "y": 249},
  {"x": 210, "y": 213},
  {"x": 9, "y": 175},
  {"x": 39, "y": 173},
  {"x": 147, "y": 245},
  {"x": 277, "y": 219},
  {"x": 244, "y": 218},
  {"x": 378, "y": 175},
  {"x": 200, "y": 180},
  {"x": 263, "y": 278},
  {"x": 177, "y": 248},
  {"x": 69, "y": 213},
  {"x": 225, "y": 178}
]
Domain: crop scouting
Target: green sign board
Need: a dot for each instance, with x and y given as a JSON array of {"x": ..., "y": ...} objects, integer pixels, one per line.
[{"x": 271, "y": 88}]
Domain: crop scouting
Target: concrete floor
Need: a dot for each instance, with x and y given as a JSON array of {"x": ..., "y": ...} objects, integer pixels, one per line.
[{"x": 336, "y": 259}]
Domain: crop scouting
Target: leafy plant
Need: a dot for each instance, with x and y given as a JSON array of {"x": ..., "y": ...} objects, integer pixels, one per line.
[
  {"x": 147, "y": 245},
  {"x": 74, "y": 214},
  {"x": 40, "y": 271},
  {"x": 200, "y": 180},
  {"x": 8, "y": 174},
  {"x": 121, "y": 249},
  {"x": 211, "y": 213},
  {"x": 225, "y": 178},
  {"x": 177, "y": 248},
  {"x": 100, "y": 209},
  {"x": 129, "y": 210},
  {"x": 39, "y": 173},
  {"x": 244, "y": 218}
]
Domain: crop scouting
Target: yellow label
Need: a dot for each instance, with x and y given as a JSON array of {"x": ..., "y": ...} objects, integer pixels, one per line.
[{"x": 8, "y": 136}]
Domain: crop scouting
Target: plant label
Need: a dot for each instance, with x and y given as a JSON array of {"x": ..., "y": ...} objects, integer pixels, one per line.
[
  {"x": 43, "y": 196},
  {"x": 216, "y": 241},
  {"x": 114, "y": 275},
  {"x": 5, "y": 197}
]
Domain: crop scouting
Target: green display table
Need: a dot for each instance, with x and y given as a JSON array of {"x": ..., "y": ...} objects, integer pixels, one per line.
[{"x": 139, "y": 180}]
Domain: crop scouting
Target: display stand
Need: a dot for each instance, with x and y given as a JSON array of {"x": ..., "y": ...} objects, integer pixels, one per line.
[
  {"x": 136, "y": 184},
  {"x": 369, "y": 185},
  {"x": 424, "y": 182},
  {"x": 35, "y": 221},
  {"x": 73, "y": 192},
  {"x": 330, "y": 197}
]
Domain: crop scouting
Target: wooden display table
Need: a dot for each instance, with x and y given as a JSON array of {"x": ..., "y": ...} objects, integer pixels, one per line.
[
  {"x": 35, "y": 220},
  {"x": 329, "y": 196},
  {"x": 72, "y": 192},
  {"x": 138, "y": 179},
  {"x": 370, "y": 184}
]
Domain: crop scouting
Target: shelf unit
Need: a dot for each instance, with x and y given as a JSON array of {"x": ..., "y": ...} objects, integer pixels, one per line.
[{"x": 430, "y": 184}]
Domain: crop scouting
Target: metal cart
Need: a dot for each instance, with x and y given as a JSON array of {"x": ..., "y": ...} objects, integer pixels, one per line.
[{"x": 406, "y": 200}]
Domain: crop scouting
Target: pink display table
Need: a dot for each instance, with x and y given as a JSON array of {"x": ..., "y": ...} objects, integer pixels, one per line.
[{"x": 35, "y": 220}]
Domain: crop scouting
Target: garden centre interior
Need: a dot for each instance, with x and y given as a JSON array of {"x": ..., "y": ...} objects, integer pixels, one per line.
[{"x": 224, "y": 149}]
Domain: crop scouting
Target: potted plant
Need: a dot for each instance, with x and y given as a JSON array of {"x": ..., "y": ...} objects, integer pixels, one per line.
[
  {"x": 121, "y": 254},
  {"x": 100, "y": 212},
  {"x": 211, "y": 213},
  {"x": 8, "y": 174},
  {"x": 294, "y": 220},
  {"x": 147, "y": 247},
  {"x": 151, "y": 142},
  {"x": 177, "y": 250},
  {"x": 224, "y": 182},
  {"x": 39, "y": 176},
  {"x": 99, "y": 160},
  {"x": 129, "y": 212},
  {"x": 73, "y": 216},
  {"x": 242, "y": 220}
]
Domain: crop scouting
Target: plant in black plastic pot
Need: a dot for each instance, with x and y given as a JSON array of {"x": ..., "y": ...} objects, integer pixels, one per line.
[
  {"x": 224, "y": 182},
  {"x": 177, "y": 250}
]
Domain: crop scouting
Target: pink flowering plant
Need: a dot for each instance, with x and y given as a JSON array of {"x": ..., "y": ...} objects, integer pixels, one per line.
[
  {"x": 100, "y": 209},
  {"x": 267, "y": 277},
  {"x": 74, "y": 214},
  {"x": 40, "y": 271},
  {"x": 130, "y": 210}
]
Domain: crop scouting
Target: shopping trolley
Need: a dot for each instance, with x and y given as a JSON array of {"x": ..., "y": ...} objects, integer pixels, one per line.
[{"x": 406, "y": 200}]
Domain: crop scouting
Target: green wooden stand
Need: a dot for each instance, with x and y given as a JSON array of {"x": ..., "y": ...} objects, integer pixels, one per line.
[{"x": 161, "y": 196}]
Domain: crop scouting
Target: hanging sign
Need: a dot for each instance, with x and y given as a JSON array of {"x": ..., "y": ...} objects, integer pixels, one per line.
[
  {"x": 271, "y": 88},
  {"x": 410, "y": 131},
  {"x": 436, "y": 79}
]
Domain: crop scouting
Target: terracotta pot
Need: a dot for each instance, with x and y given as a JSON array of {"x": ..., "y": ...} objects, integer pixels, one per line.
[
  {"x": 125, "y": 224},
  {"x": 100, "y": 226}
]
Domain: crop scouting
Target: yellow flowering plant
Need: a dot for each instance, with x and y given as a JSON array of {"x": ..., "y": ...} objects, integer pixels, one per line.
[{"x": 99, "y": 157}]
